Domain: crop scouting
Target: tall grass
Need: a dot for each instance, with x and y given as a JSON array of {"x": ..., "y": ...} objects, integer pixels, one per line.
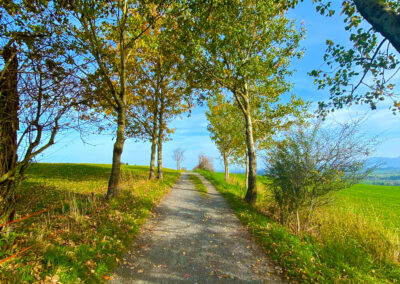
[
  {"x": 368, "y": 215},
  {"x": 343, "y": 245}
]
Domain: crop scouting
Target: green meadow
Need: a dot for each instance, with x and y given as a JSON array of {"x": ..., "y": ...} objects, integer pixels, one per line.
[
  {"x": 82, "y": 237},
  {"x": 352, "y": 238},
  {"x": 378, "y": 203}
]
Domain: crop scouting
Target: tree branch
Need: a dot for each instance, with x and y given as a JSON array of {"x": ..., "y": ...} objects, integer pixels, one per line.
[{"x": 382, "y": 19}]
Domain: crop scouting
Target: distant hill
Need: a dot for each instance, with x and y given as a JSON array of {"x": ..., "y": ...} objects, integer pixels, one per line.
[{"x": 385, "y": 162}]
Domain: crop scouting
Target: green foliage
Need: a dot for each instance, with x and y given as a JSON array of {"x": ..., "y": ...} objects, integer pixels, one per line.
[
  {"x": 234, "y": 50},
  {"x": 226, "y": 127},
  {"x": 95, "y": 234},
  {"x": 243, "y": 49},
  {"x": 303, "y": 258},
  {"x": 313, "y": 162},
  {"x": 363, "y": 72}
]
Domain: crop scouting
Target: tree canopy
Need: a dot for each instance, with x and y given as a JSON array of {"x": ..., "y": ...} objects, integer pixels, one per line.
[{"x": 364, "y": 72}]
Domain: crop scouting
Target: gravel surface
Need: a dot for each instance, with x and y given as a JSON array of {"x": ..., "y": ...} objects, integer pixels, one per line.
[{"x": 193, "y": 238}]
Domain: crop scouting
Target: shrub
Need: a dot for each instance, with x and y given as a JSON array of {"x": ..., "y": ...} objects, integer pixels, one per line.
[
  {"x": 205, "y": 163},
  {"x": 312, "y": 162}
]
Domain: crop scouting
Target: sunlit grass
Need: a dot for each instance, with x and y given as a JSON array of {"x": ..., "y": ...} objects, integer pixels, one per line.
[
  {"x": 198, "y": 184},
  {"x": 350, "y": 240},
  {"x": 91, "y": 233}
]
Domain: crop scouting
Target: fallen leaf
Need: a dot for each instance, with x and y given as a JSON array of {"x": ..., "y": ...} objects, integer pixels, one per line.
[
  {"x": 140, "y": 271},
  {"x": 55, "y": 278}
]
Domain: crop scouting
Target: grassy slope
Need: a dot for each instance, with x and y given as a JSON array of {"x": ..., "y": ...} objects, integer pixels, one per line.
[
  {"x": 305, "y": 258},
  {"x": 91, "y": 234}
]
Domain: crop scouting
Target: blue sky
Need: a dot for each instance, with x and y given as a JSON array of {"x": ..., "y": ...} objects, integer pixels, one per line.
[{"x": 191, "y": 132}]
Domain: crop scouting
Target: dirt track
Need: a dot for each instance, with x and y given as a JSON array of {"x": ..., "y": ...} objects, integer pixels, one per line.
[{"x": 194, "y": 239}]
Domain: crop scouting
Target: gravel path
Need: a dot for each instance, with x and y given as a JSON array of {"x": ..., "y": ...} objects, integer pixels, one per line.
[{"x": 194, "y": 238}]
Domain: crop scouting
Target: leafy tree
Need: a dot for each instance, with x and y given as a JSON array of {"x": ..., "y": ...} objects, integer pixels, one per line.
[
  {"x": 109, "y": 34},
  {"x": 243, "y": 48},
  {"x": 226, "y": 127},
  {"x": 38, "y": 89},
  {"x": 178, "y": 156},
  {"x": 366, "y": 71},
  {"x": 161, "y": 97},
  {"x": 314, "y": 161}
]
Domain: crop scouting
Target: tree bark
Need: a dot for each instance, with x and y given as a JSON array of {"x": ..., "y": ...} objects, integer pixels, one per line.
[
  {"x": 251, "y": 194},
  {"x": 244, "y": 103},
  {"x": 9, "y": 124},
  {"x": 381, "y": 18},
  {"x": 120, "y": 99},
  {"x": 247, "y": 172},
  {"x": 160, "y": 139},
  {"x": 178, "y": 165},
  {"x": 153, "y": 145},
  {"x": 226, "y": 165},
  {"x": 113, "y": 184}
]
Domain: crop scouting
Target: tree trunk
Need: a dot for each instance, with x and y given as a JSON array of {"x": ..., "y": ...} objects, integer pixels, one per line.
[
  {"x": 178, "y": 165},
  {"x": 9, "y": 123},
  {"x": 159, "y": 155},
  {"x": 226, "y": 164},
  {"x": 113, "y": 184},
  {"x": 382, "y": 19},
  {"x": 160, "y": 139},
  {"x": 244, "y": 103},
  {"x": 247, "y": 172},
  {"x": 251, "y": 194},
  {"x": 153, "y": 145}
]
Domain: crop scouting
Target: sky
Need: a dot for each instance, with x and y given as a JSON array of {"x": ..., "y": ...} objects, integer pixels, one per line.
[{"x": 191, "y": 133}]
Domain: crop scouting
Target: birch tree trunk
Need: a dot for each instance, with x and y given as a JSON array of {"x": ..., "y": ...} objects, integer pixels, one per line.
[
  {"x": 251, "y": 194},
  {"x": 243, "y": 99},
  {"x": 247, "y": 172},
  {"x": 226, "y": 165}
]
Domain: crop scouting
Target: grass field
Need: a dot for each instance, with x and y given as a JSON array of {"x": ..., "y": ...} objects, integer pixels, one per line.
[
  {"x": 375, "y": 202},
  {"x": 354, "y": 238},
  {"x": 82, "y": 237}
]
